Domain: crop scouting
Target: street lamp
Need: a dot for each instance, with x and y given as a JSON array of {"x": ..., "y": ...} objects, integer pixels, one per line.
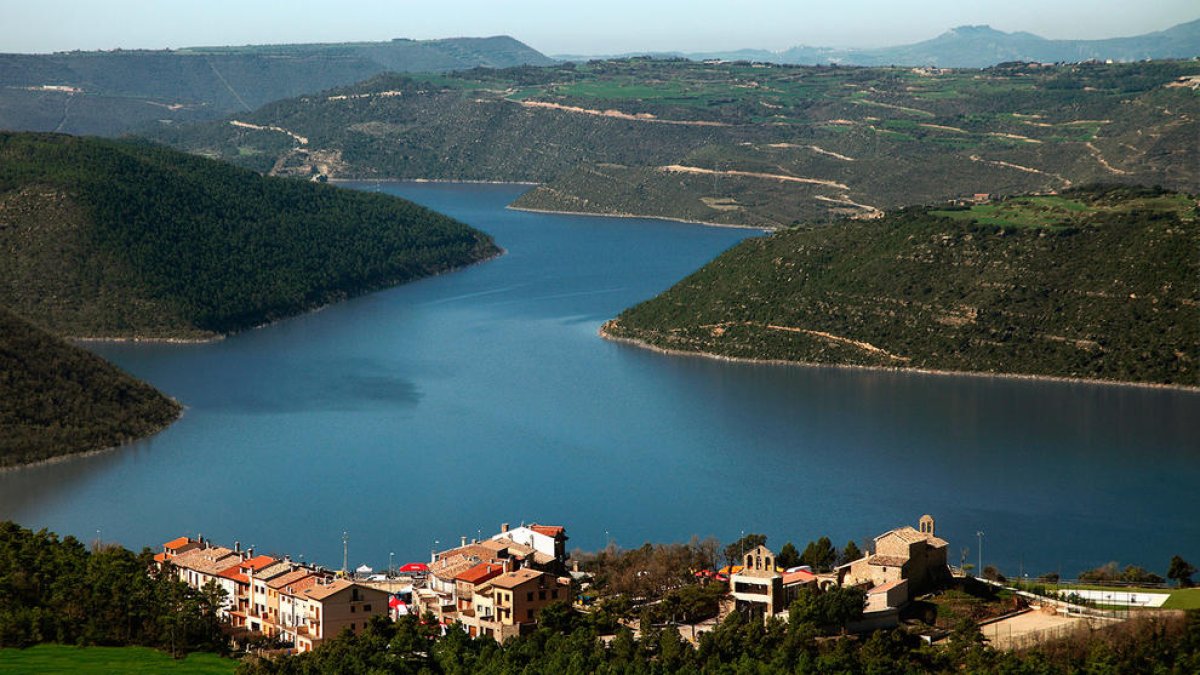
[
  {"x": 979, "y": 534},
  {"x": 391, "y": 556}
]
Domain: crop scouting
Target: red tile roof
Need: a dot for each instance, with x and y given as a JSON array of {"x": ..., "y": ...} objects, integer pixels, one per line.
[
  {"x": 160, "y": 557},
  {"x": 299, "y": 586},
  {"x": 235, "y": 573},
  {"x": 258, "y": 562},
  {"x": 799, "y": 576},
  {"x": 512, "y": 580},
  {"x": 288, "y": 579},
  {"x": 548, "y": 530},
  {"x": 480, "y": 573},
  {"x": 177, "y": 543}
]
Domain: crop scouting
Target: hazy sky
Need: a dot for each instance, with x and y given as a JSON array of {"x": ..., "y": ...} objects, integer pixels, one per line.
[{"x": 563, "y": 26}]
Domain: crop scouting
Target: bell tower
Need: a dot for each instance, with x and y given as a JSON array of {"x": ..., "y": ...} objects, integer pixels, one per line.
[{"x": 925, "y": 525}]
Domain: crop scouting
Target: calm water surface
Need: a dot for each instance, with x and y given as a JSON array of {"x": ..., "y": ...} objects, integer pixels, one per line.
[{"x": 444, "y": 407}]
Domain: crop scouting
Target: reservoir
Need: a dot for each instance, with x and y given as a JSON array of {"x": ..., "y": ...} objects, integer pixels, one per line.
[{"x": 439, "y": 409}]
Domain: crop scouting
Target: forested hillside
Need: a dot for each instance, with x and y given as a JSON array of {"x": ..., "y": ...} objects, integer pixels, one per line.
[
  {"x": 57, "y": 399},
  {"x": 112, "y": 92},
  {"x": 1098, "y": 283},
  {"x": 116, "y": 239},
  {"x": 55, "y": 589},
  {"x": 737, "y": 143}
]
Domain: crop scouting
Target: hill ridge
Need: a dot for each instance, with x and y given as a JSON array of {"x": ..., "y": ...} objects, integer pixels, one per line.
[{"x": 1098, "y": 283}]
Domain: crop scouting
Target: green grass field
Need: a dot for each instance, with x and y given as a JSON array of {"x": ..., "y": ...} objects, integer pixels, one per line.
[
  {"x": 66, "y": 659},
  {"x": 1184, "y": 599},
  {"x": 1051, "y": 211}
]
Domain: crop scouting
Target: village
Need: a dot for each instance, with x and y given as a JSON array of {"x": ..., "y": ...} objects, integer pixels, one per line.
[{"x": 499, "y": 586}]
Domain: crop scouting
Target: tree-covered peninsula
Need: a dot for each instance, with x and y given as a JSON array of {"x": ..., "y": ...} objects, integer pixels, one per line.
[
  {"x": 1097, "y": 283},
  {"x": 57, "y": 399},
  {"x": 102, "y": 238}
]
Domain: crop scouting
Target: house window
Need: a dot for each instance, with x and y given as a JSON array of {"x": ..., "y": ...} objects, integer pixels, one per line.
[
  {"x": 366, "y": 608},
  {"x": 554, "y": 594},
  {"x": 529, "y": 596},
  {"x": 541, "y": 595},
  {"x": 529, "y": 614},
  {"x": 352, "y": 609}
]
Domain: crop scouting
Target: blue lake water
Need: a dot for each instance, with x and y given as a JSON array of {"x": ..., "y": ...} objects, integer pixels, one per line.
[{"x": 441, "y": 408}]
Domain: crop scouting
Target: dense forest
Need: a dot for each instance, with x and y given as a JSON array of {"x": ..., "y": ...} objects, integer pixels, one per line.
[
  {"x": 109, "y": 238},
  {"x": 1097, "y": 283},
  {"x": 735, "y": 142},
  {"x": 566, "y": 642},
  {"x": 59, "y": 590},
  {"x": 57, "y": 399}
]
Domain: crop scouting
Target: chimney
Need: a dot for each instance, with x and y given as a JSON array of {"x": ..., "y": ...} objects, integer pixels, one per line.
[
  {"x": 503, "y": 528},
  {"x": 432, "y": 556},
  {"x": 250, "y": 553},
  {"x": 462, "y": 541},
  {"x": 237, "y": 547},
  {"x": 575, "y": 566}
]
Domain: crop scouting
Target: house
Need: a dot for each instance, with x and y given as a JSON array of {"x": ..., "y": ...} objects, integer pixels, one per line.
[
  {"x": 793, "y": 583},
  {"x": 917, "y": 556},
  {"x": 335, "y": 606},
  {"x": 548, "y": 540},
  {"x": 263, "y": 615},
  {"x": 273, "y": 619},
  {"x": 467, "y": 582},
  {"x": 892, "y": 595},
  {"x": 441, "y": 585},
  {"x": 757, "y": 588},
  {"x": 293, "y": 608},
  {"x": 198, "y": 567},
  {"x": 237, "y": 591},
  {"x": 510, "y": 603},
  {"x": 175, "y": 547}
]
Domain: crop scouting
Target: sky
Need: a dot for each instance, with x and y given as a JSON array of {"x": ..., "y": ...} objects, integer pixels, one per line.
[{"x": 563, "y": 26}]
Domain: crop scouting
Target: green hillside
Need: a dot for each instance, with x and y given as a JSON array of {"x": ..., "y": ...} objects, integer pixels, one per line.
[
  {"x": 1098, "y": 283},
  {"x": 114, "y": 239},
  {"x": 736, "y": 143},
  {"x": 57, "y": 399},
  {"x": 113, "y": 92}
]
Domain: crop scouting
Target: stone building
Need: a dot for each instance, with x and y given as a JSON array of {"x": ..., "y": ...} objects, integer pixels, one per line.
[
  {"x": 758, "y": 587},
  {"x": 917, "y": 556}
]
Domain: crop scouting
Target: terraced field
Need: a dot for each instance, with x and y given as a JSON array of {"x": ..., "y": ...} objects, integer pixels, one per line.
[{"x": 737, "y": 143}]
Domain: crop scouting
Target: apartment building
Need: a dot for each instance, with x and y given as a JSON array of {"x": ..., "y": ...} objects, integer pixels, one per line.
[
  {"x": 510, "y": 603},
  {"x": 334, "y": 606}
]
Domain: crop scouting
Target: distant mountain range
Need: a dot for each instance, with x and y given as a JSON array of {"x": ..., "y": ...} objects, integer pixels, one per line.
[
  {"x": 114, "y": 92},
  {"x": 970, "y": 47}
]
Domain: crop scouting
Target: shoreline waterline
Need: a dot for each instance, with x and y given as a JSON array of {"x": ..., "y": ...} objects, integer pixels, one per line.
[
  {"x": 59, "y": 459},
  {"x": 642, "y": 344},
  {"x": 636, "y": 216}
]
